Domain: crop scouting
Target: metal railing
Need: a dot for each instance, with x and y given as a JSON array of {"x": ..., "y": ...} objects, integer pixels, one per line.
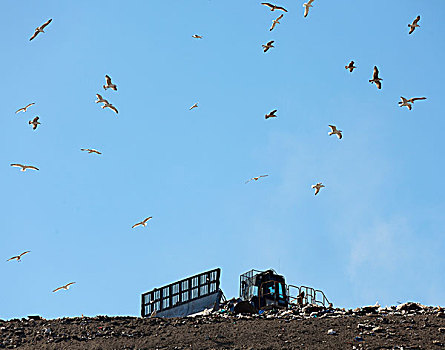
[{"x": 311, "y": 295}]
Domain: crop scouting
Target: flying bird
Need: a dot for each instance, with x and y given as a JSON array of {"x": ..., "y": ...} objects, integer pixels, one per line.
[
  {"x": 255, "y": 178},
  {"x": 276, "y": 21},
  {"x": 414, "y": 25},
  {"x": 35, "y": 122},
  {"x": 66, "y": 287},
  {"x": 24, "y": 108},
  {"x": 350, "y": 66},
  {"x": 109, "y": 84},
  {"x": 194, "y": 106},
  {"x": 100, "y": 99},
  {"x": 306, "y": 6},
  {"x": 90, "y": 150},
  {"x": 24, "y": 167},
  {"x": 268, "y": 45},
  {"x": 40, "y": 29},
  {"x": 407, "y": 102},
  {"x": 271, "y": 114},
  {"x": 110, "y": 106},
  {"x": 317, "y": 187},
  {"x": 142, "y": 223},
  {"x": 273, "y": 7},
  {"x": 375, "y": 78},
  {"x": 335, "y": 131},
  {"x": 196, "y": 36},
  {"x": 18, "y": 257}
]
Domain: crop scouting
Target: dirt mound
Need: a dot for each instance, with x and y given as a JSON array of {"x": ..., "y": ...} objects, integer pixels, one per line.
[{"x": 408, "y": 326}]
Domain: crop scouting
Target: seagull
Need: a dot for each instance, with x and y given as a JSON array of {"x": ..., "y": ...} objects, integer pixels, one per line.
[
  {"x": 24, "y": 167},
  {"x": 142, "y": 223},
  {"x": 271, "y": 114},
  {"x": 90, "y": 150},
  {"x": 414, "y": 25},
  {"x": 268, "y": 45},
  {"x": 100, "y": 99},
  {"x": 40, "y": 29},
  {"x": 375, "y": 78},
  {"x": 35, "y": 122},
  {"x": 407, "y": 102},
  {"x": 194, "y": 106},
  {"x": 255, "y": 178},
  {"x": 18, "y": 257},
  {"x": 110, "y": 106},
  {"x": 306, "y": 7},
  {"x": 24, "y": 108},
  {"x": 109, "y": 85},
  {"x": 317, "y": 187},
  {"x": 335, "y": 131},
  {"x": 66, "y": 287},
  {"x": 350, "y": 66},
  {"x": 276, "y": 21},
  {"x": 274, "y": 7},
  {"x": 196, "y": 36}
]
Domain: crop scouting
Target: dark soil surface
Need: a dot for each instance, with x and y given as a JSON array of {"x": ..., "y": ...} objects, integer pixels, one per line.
[{"x": 292, "y": 329}]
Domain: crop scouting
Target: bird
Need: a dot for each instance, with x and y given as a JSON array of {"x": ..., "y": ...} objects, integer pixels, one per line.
[
  {"x": 66, "y": 287},
  {"x": 350, "y": 66},
  {"x": 194, "y": 106},
  {"x": 196, "y": 36},
  {"x": 142, "y": 223},
  {"x": 407, "y": 102},
  {"x": 24, "y": 108},
  {"x": 40, "y": 29},
  {"x": 18, "y": 257},
  {"x": 100, "y": 99},
  {"x": 375, "y": 78},
  {"x": 271, "y": 114},
  {"x": 255, "y": 178},
  {"x": 273, "y": 7},
  {"x": 110, "y": 106},
  {"x": 268, "y": 45},
  {"x": 306, "y": 6},
  {"x": 414, "y": 25},
  {"x": 90, "y": 150},
  {"x": 153, "y": 314},
  {"x": 35, "y": 122},
  {"x": 317, "y": 187},
  {"x": 276, "y": 21},
  {"x": 335, "y": 131},
  {"x": 109, "y": 84},
  {"x": 24, "y": 167}
]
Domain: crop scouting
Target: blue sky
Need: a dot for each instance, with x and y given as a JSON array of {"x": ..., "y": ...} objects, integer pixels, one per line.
[{"x": 375, "y": 233}]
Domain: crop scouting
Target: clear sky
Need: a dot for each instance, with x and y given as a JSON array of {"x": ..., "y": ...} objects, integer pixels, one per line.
[{"x": 375, "y": 233}]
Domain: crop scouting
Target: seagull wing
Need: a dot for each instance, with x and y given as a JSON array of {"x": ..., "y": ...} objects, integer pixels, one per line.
[
  {"x": 14, "y": 257},
  {"x": 31, "y": 167},
  {"x": 24, "y": 253},
  {"x": 378, "y": 83},
  {"x": 99, "y": 97},
  {"x": 306, "y": 11},
  {"x": 267, "y": 4},
  {"x": 249, "y": 180},
  {"x": 411, "y": 30},
  {"x": 136, "y": 225},
  {"x": 55, "y": 290},
  {"x": 108, "y": 79},
  {"x": 339, "y": 134},
  {"x": 18, "y": 165},
  {"x": 46, "y": 23},
  {"x": 273, "y": 112},
  {"x": 34, "y": 35},
  {"x": 333, "y": 127},
  {"x": 280, "y": 17},
  {"x": 68, "y": 284},
  {"x": 375, "y": 75},
  {"x": 21, "y": 109},
  {"x": 263, "y": 175},
  {"x": 145, "y": 220},
  {"x": 280, "y": 8},
  {"x": 417, "y": 98},
  {"x": 416, "y": 20},
  {"x": 317, "y": 189},
  {"x": 273, "y": 25},
  {"x": 270, "y": 42},
  {"x": 114, "y": 109}
]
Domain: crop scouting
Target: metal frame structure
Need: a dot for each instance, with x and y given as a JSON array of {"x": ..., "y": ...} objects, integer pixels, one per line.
[
  {"x": 311, "y": 295},
  {"x": 181, "y": 292}
]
